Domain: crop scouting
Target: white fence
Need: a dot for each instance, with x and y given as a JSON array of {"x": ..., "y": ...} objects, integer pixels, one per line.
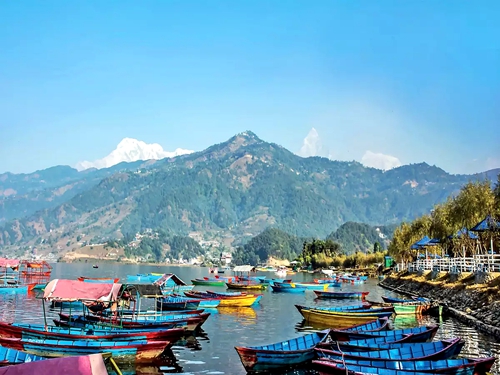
[{"x": 485, "y": 263}]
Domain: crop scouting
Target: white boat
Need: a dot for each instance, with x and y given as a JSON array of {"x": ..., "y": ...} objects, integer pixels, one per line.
[{"x": 327, "y": 272}]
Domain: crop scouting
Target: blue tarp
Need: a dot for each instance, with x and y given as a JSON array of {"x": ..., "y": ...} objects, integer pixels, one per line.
[
  {"x": 487, "y": 224},
  {"x": 425, "y": 241},
  {"x": 464, "y": 232}
]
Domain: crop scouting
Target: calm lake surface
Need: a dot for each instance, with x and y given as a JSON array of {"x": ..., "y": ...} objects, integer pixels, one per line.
[{"x": 212, "y": 351}]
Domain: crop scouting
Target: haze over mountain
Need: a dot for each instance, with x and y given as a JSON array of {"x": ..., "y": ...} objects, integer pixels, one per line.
[
  {"x": 234, "y": 189},
  {"x": 129, "y": 150}
]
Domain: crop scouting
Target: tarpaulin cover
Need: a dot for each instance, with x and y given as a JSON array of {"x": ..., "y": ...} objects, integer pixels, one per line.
[
  {"x": 9, "y": 262},
  {"x": 142, "y": 290},
  {"x": 243, "y": 268},
  {"x": 74, "y": 290},
  {"x": 169, "y": 277},
  {"x": 82, "y": 365}
]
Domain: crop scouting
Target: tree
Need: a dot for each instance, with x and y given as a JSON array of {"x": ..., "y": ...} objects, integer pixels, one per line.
[{"x": 376, "y": 247}]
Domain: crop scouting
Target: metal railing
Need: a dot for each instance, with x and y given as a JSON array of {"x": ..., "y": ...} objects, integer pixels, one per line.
[{"x": 484, "y": 263}]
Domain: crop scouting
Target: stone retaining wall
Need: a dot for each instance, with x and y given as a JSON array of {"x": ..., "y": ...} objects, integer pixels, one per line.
[{"x": 474, "y": 304}]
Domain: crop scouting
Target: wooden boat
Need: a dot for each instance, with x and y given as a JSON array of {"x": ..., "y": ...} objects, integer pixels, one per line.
[
  {"x": 79, "y": 365},
  {"x": 422, "y": 333},
  {"x": 359, "y": 306},
  {"x": 99, "y": 279},
  {"x": 375, "y": 313},
  {"x": 209, "y": 282},
  {"x": 401, "y": 352},
  {"x": 226, "y": 294},
  {"x": 341, "y": 295},
  {"x": 95, "y": 266},
  {"x": 380, "y": 324},
  {"x": 285, "y": 289},
  {"x": 13, "y": 289},
  {"x": 185, "y": 303},
  {"x": 141, "y": 351},
  {"x": 444, "y": 366},
  {"x": 39, "y": 331},
  {"x": 142, "y": 278},
  {"x": 335, "y": 321},
  {"x": 283, "y": 354},
  {"x": 246, "y": 286},
  {"x": 189, "y": 322},
  {"x": 14, "y": 357},
  {"x": 414, "y": 308},
  {"x": 313, "y": 286},
  {"x": 243, "y": 300},
  {"x": 365, "y": 345},
  {"x": 401, "y": 300}
]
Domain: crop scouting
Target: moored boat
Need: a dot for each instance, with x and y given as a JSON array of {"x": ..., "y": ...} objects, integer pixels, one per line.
[
  {"x": 13, "y": 357},
  {"x": 401, "y": 352},
  {"x": 288, "y": 289},
  {"x": 421, "y": 333},
  {"x": 444, "y": 366},
  {"x": 282, "y": 354},
  {"x": 99, "y": 279},
  {"x": 246, "y": 285},
  {"x": 341, "y": 295},
  {"x": 335, "y": 321},
  {"x": 139, "y": 350}
]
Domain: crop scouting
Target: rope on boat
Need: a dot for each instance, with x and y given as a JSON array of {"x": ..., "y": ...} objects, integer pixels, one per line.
[{"x": 343, "y": 359}]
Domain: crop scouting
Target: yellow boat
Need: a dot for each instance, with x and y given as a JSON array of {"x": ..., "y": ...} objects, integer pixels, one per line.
[
  {"x": 245, "y": 286},
  {"x": 244, "y": 301},
  {"x": 335, "y": 320}
]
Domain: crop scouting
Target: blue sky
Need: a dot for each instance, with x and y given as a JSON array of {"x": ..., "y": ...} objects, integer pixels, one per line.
[{"x": 417, "y": 80}]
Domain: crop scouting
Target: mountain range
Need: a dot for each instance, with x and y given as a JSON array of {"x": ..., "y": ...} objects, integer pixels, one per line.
[{"x": 234, "y": 189}]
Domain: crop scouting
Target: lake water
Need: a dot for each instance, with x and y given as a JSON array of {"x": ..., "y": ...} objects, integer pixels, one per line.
[{"x": 212, "y": 351}]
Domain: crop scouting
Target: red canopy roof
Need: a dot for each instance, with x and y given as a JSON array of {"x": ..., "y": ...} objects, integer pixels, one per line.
[
  {"x": 9, "y": 262},
  {"x": 73, "y": 290},
  {"x": 84, "y": 365}
]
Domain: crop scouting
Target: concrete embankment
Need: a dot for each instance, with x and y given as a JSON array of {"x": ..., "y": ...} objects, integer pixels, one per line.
[{"x": 473, "y": 298}]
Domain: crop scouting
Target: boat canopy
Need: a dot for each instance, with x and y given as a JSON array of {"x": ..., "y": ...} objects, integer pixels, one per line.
[
  {"x": 9, "y": 263},
  {"x": 76, "y": 365},
  {"x": 74, "y": 290},
  {"x": 243, "y": 268},
  {"x": 169, "y": 276},
  {"x": 142, "y": 290}
]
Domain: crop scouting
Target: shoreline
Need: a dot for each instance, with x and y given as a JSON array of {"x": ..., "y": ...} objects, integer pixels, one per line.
[{"x": 473, "y": 299}]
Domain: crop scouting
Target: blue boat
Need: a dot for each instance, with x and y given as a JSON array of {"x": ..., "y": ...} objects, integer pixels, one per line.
[
  {"x": 334, "y": 367},
  {"x": 185, "y": 303},
  {"x": 86, "y": 330},
  {"x": 358, "y": 306},
  {"x": 283, "y": 354},
  {"x": 147, "y": 278},
  {"x": 15, "y": 357},
  {"x": 139, "y": 350},
  {"x": 380, "y": 324},
  {"x": 402, "y": 352},
  {"x": 13, "y": 289},
  {"x": 421, "y": 333},
  {"x": 287, "y": 289},
  {"x": 444, "y": 366}
]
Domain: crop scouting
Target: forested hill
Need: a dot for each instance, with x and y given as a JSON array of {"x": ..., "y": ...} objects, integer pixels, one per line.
[{"x": 237, "y": 189}]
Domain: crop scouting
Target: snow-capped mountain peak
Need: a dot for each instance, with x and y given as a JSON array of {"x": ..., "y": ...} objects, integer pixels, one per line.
[{"x": 130, "y": 149}]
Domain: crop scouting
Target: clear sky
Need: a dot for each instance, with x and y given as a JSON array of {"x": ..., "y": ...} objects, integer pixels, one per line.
[{"x": 417, "y": 80}]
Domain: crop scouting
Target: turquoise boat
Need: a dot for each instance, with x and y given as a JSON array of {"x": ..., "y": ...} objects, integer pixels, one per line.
[
  {"x": 15, "y": 357},
  {"x": 333, "y": 367},
  {"x": 359, "y": 306},
  {"x": 282, "y": 288},
  {"x": 140, "y": 350},
  {"x": 445, "y": 366},
  {"x": 401, "y": 352},
  {"x": 147, "y": 278},
  {"x": 13, "y": 289},
  {"x": 282, "y": 354}
]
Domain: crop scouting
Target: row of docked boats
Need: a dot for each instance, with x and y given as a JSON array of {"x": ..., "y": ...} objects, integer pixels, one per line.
[{"x": 362, "y": 342}]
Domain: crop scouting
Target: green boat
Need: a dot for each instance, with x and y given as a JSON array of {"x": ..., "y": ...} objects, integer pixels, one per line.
[
  {"x": 209, "y": 282},
  {"x": 410, "y": 308}
]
